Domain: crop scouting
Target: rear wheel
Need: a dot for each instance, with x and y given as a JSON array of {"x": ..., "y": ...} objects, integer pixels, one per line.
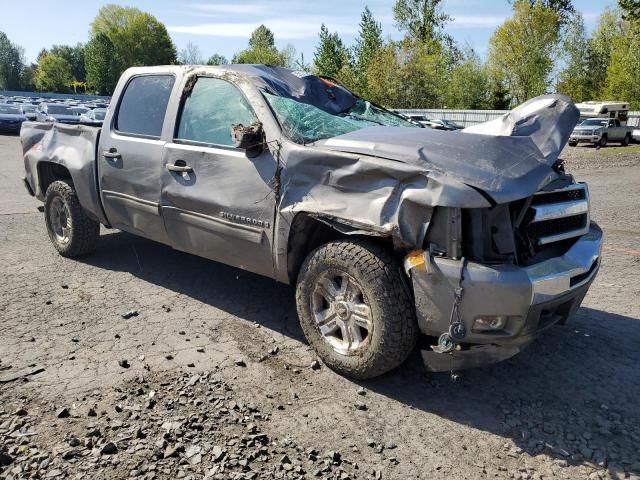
[
  {"x": 71, "y": 231},
  {"x": 573, "y": 144},
  {"x": 355, "y": 309},
  {"x": 627, "y": 140}
]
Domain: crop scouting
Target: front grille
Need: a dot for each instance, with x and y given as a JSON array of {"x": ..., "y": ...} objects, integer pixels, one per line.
[{"x": 556, "y": 216}]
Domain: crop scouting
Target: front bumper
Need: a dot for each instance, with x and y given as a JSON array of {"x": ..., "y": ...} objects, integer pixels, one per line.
[
  {"x": 532, "y": 298},
  {"x": 581, "y": 138}
]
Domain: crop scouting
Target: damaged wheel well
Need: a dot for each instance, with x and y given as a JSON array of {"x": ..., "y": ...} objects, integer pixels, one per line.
[
  {"x": 49, "y": 172},
  {"x": 308, "y": 232}
]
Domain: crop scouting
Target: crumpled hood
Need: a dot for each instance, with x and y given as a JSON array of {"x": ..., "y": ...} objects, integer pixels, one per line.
[{"x": 508, "y": 158}]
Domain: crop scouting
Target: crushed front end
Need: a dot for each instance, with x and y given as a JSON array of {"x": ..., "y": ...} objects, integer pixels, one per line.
[{"x": 489, "y": 280}]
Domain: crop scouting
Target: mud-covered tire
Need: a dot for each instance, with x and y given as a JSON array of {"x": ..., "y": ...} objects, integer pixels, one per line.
[
  {"x": 627, "y": 140},
  {"x": 81, "y": 233},
  {"x": 378, "y": 276}
]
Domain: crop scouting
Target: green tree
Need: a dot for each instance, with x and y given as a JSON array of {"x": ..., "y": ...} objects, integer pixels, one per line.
[
  {"x": 563, "y": 8},
  {"x": 622, "y": 72},
  {"x": 53, "y": 74},
  {"x": 605, "y": 38},
  {"x": 521, "y": 51},
  {"x": 575, "y": 78},
  {"x": 102, "y": 70},
  {"x": 262, "y": 50},
  {"x": 469, "y": 86},
  {"x": 74, "y": 55},
  {"x": 331, "y": 55},
  {"x": 383, "y": 79},
  {"x": 630, "y": 9},
  {"x": 368, "y": 44},
  {"x": 421, "y": 20},
  {"x": 217, "y": 59},
  {"x": 190, "y": 55},
  {"x": 262, "y": 37},
  {"x": 11, "y": 63},
  {"x": 137, "y": 37}
]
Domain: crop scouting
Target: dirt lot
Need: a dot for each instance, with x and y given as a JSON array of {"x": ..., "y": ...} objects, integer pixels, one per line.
[{"x": 212, "y": 377}]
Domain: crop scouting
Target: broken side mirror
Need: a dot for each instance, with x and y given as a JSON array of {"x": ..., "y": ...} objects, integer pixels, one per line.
[{"x": 250, "y": 138}]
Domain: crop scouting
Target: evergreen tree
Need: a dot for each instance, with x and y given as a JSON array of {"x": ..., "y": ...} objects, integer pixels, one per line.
[
  {"x": 368, "y": 44},
  {"x": 330, "y": 55},
  {"x": 217, "y": 59}
]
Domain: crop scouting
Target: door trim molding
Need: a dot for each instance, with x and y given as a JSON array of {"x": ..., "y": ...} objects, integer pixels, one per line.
[
  {"x": 149, "y": 206},
  {"x": 217, "y": 225}
]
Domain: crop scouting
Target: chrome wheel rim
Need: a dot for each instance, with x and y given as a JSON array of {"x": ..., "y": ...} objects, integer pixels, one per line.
[
  {"x": 60, "y": 220},
  {"x": 341, "y": 312}
]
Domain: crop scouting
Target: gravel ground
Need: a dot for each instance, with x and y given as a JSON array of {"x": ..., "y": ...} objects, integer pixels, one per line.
[{"x": 209, "y": 375}]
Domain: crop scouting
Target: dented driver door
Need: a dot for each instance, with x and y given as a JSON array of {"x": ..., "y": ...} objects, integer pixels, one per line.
[{"x": 216, "y": 201}]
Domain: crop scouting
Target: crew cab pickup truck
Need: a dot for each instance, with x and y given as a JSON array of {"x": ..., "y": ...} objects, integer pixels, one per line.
[
  {"x": 474, "y": 242},
  {"x": 600, "y": 131}
]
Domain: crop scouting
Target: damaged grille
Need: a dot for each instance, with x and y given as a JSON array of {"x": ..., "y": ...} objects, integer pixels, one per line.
[{"x": 559, "y": 215}]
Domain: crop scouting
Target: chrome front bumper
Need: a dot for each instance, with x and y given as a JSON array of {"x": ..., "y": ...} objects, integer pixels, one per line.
[
  {"x": 533, "y": 298},
  {"x": 579, "y": 138}
]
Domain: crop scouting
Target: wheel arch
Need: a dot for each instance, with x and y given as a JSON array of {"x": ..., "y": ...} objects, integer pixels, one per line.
[{"x": 309, "y": 231}]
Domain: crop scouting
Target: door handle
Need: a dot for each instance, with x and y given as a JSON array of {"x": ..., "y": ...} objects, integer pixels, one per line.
[
  {"x": 112, "y": 155},
  {"x": 179, "y": 168}
]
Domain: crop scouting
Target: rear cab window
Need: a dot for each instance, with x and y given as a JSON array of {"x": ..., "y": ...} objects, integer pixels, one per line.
[
  {"x": 143, "y": 105},
  {"x": 208, "y": 113}
]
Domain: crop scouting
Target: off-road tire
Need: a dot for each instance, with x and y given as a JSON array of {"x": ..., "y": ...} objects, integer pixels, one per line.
[
  {"x": 378, "y": 273},
  {"x": 83, "y": 231},
  {"x": 573, "y": 144},
  {"x": 627, "y": 140}
]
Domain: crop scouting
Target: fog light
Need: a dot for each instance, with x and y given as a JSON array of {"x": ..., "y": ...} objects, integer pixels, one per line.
[{"x": 489, "y": 323}]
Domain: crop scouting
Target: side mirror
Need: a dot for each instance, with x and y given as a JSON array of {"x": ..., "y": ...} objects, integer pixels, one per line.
[{"x": 250, "y": 138}]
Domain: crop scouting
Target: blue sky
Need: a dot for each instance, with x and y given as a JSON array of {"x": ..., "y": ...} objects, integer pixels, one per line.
[{"x": 223, "y": 26}]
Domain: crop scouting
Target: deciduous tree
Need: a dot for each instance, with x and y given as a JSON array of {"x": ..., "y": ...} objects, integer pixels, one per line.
[
  {"x": 102, "y": 71},
  {"x": 11, "y": 63},
  {"x": 521, "y": 52},
  {"x": 53, "y": 74},
  {"x": 190, "y": 55},
  {"x": 217, "y": 59},
  {"x": 138, "y": 37},
  {"x": 575, "y": 78}
]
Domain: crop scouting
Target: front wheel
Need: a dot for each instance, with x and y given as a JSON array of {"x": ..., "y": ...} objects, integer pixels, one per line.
[
  {"x": 602, "y": 142},
  {"x": 573, "y": 144},
  {"x": 71, "y": 232},
  {"x": 627, "y": 140},
  {"x": 355, "y": 309}
]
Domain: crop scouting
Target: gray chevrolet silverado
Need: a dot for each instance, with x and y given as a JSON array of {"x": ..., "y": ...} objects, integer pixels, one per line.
[{"x": 468, "y": 243}]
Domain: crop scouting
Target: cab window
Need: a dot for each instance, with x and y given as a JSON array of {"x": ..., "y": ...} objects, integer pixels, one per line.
[
  {"x": 143, "y": 105},
  {"x": 208, "y": 113}
]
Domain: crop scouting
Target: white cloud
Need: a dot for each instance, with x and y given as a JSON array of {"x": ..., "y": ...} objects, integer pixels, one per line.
[
  {"x": 477, "y": 21},
  {"x": 294, "y": 27},
  {"x": 228, "y": 8}
]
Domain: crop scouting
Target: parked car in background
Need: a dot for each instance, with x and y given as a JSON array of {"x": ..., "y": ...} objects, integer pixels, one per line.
[
  {"x": 11, "y": 118},
  {"x": 600, "y": 131},
  {"x": 29, "y": 110},
  {"x": 93, "y": 117},
  {"x": 54, "y": 112},
  {"x": 635, "y": 135},
  {"x": 80, "y": 110},
  {"x": 439, "y": 124}
]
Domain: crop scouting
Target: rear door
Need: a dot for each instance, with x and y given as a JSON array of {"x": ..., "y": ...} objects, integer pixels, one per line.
[
  {"x": 130, "y": 156},
  {"x": 216, "y": 201}
]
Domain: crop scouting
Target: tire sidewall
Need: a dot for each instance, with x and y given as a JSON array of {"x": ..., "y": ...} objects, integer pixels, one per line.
[
  {"x": 371, "y": 360},
  {"x": 57, "y": 190}
]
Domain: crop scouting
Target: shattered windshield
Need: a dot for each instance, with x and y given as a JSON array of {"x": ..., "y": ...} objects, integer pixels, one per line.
[{"x": 305, "y": 123}]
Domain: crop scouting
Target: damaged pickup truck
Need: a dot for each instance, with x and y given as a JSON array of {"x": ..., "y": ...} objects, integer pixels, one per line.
[{"x": 471, "y": 242}]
